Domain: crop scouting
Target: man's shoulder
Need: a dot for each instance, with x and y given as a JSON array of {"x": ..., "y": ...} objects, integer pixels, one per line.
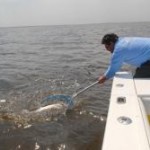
[{"x": 122, "y": 43}]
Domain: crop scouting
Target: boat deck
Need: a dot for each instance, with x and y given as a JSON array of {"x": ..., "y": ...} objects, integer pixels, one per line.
[{"x": 127, "y": 125}]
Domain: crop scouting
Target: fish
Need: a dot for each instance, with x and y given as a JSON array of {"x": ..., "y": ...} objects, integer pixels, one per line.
[{"x": 57, "y": 106}]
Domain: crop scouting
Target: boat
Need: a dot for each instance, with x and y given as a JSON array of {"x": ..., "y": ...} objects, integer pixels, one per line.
[{"x": 128, "y": 120}]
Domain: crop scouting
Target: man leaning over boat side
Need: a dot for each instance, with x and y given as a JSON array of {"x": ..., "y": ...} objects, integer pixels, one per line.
[{"x": 134, "y": 51}]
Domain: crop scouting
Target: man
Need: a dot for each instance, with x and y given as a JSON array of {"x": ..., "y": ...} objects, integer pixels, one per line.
[{"x": 131, "y": 50}]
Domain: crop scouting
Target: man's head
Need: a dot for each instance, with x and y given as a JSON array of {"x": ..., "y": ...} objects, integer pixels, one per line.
[{"x": 109, "y": 41}]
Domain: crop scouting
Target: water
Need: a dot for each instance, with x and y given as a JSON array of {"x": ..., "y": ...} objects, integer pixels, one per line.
[{"x": 39, "y": 61}]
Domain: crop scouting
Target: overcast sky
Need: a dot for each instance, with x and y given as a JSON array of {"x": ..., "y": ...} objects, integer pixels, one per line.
[{"x": 54, "y": 12}]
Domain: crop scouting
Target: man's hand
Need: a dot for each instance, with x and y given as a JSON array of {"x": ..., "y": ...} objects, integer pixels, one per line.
[{"x": 102, "y": 79}]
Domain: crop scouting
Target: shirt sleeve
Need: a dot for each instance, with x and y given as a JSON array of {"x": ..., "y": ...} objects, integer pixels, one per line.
[{"x": 115, "y": 64}]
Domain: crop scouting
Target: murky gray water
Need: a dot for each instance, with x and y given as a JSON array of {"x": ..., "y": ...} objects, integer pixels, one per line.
[{"x": 38, "y": 61}]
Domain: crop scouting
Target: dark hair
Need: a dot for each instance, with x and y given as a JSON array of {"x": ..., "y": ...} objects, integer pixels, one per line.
[{"x": 108, "y": 38}]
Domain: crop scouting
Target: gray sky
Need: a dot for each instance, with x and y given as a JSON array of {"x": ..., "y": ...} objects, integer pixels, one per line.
[{"x": 52, "y": 12}]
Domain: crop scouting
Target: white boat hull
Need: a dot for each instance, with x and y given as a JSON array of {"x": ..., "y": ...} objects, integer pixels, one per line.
[{"x": 127, "y": 126}]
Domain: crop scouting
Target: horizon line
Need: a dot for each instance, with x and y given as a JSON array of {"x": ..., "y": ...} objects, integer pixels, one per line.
[{"x": 75, "y": 24}]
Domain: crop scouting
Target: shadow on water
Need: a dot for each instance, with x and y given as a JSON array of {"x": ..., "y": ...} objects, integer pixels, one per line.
[{"x": 74, "y": 131}]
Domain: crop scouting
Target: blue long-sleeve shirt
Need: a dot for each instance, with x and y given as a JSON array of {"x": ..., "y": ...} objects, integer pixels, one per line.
[{"x": 131, "y": 50}]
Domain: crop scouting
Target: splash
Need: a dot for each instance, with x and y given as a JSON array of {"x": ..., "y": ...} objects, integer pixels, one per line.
[
  {"x": 25, "y": 118},
  {"x": 39, "y": 101}
]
